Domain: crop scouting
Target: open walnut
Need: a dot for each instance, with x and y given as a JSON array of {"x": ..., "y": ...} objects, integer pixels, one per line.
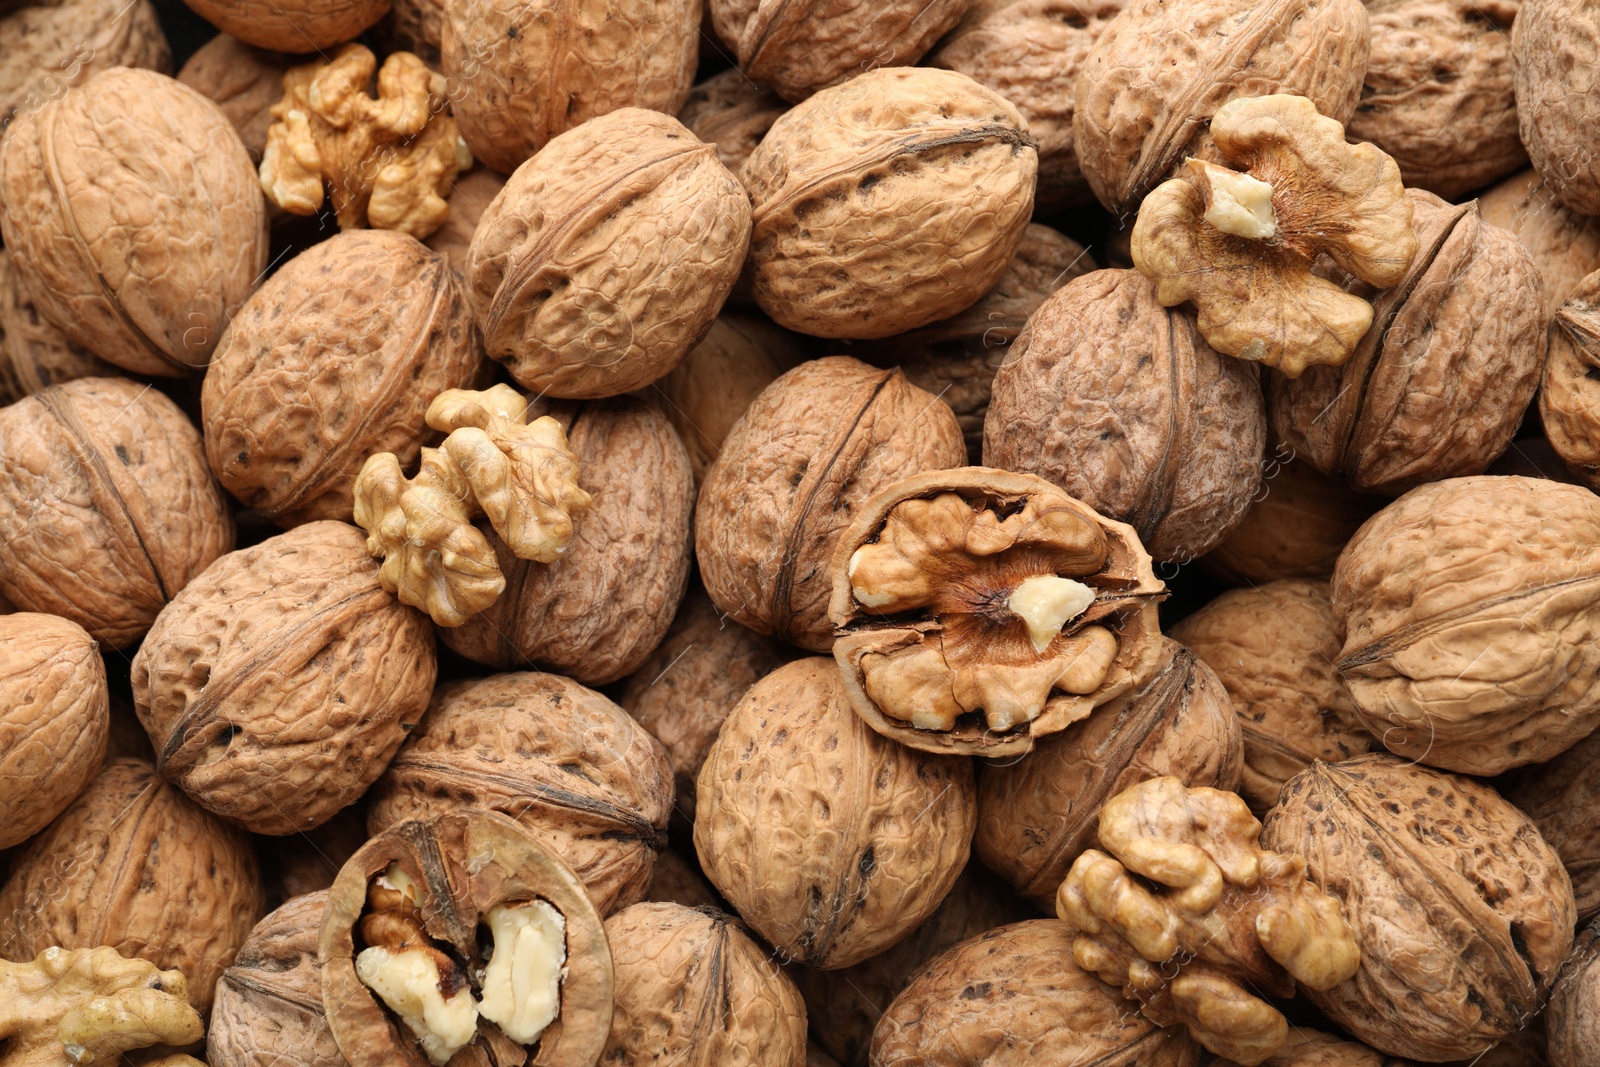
[
  {"x": 1569, "y": 403},
  {"x": 978, "y": 610},
  {"x": 1240, "y": 244}
]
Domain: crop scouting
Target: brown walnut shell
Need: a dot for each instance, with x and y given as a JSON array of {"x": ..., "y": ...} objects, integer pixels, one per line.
[
  {"x": 598, "y": 612},
  {"x": 54, "y": 720},
  {"x": 1036, "y": 815},
  {"x": 1560, "y": 797},
  {"x": 136, "y": 219},
  {"x": 415, "y": 26},
  {"x": 134, "y": 864},
  {"x": 1569, "y": 403},
  {"x": 814, "y": 446},
  {"x": 678, "y": 880},
  {"x": 563, "y": 761},
  {"x": 1564, "y": 244},
  {"x": 1312, "y": 1048},
  {"x": 1121, "y": 402},
  {"x": 245, "y": 82},
  {"x": 1525, "y": 1048},
  {"x": 733, "y": 113},
  {"x": 279, "y": 683},
  {"x": 1462, "y": 911},
  {"x": 107, "y": 509},
  {"x": 523, "y": 72},
  {"x": 335, "y": 359},
  {"x": 832, "y": 842},
  {"x": 54, "y": 45},
  {"x": 307, "y": 862},
  {"x": 1572, "y": 1018},
  {"x": 1553, "y": 48},
  {"x": 34, "y": 354},
  {"x": 474, "y": 191},
  {"x": 1437, "y": 387},
  {"x": 291, "y": 25}
]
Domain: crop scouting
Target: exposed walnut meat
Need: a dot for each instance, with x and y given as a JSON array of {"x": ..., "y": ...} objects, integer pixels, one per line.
[
  {"x": 1569, "y": 403},
  {"x": 1296, "y": 527},
  {"x": 56, "y": 44},
  {"x": 1560, "y": 796},
  {"x": 291, "y": 25},
  {"x": 1553, "y": 48},
  {"x": 34, "y": 354},
  {"x": 244, "y": 81},
  {"x": 470, "y": 197},
  {"x": 1239, "y": 244},
  {"x": 733, "y": 113},
  {"x": 1564, "y": 244}
]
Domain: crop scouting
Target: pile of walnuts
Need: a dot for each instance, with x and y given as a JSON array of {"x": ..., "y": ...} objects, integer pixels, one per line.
[{"x": 784, "y": 533}]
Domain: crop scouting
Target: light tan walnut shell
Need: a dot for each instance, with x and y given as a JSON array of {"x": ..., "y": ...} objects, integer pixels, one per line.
[
  {"x": 1564, "y": 244},
  {"x": 1573, "y": 1013},
  {"x": 134, "y": 214},
  {"x": 887, "y": 203},
  {"x": 244, "y": 81},
  {"x": 34, "y": 354},
  {"x": 733, "y": 113},
  {"x": 1569, "y": 402},
  {"x": 1559, "y": 795},
  {"x": 470, "y": 197},
  {"x": 107, "y": 509},
  {"x": 279, "y": 683},
  {"x": 56, "y": 44},
  {"x": 291, "y": 25},
  {"x": 832, "y": 842},
  {"x": 607, "y": 255},
  {"x": 1462, "y": 911},
  {"x": 1313, "y": 1048},
  {"x": 1553, "y": 49}
]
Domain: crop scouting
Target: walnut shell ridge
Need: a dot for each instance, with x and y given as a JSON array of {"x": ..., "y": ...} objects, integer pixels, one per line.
[
  {"x": 291, "y": 25},
  {"x": 1553, "y": 48}
]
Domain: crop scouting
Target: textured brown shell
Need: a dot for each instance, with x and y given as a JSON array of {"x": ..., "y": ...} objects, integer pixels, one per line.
[
  {"x": 1569, "y": 403},
  {"x": 1438, "y": 95},
  {"x": 693, "y": 989},
  {"x": 676, "y": 879},
  {"x": 1553, "y": 48},
  {"x": 135, "y": 865},
  {"x": 1462, "y": 911},
  {"x": 1312, "y": 1048},
  {"x": 1564, "y": 244},
  {"x": 34, "y": 355},
  {"x": 1273, "y": 648},
  {"x": 136, "y": 219},
  {"x": 815, "y": 446},
  {"x": 54, "y": 720},
  {"x": 1013, "y": 997},
  {"x": 243, "y": 81},
  {"x": 334, "y": 359},
  {"x": 269, "y": 1002},
  {"x": 1561, "y": 798},
  {"x": 598, "y": 612},
  {"x": 464, "y": 863},
  {"x": 51, "y": 47},
  {"x": 471, "y": 196},
  {"x": 291, "y": 25},
  {"x": 1572, "y": 1018},
  {"x": 1469, "y": 611},
  {"x": 301, "y": 863},
  {"x": 1525, "y": 1048},
  {"x": 279, "y": 683},
  {"x": 887, "y": 203},
  {"x": 106, "y": 507},
  {"x": 569, "y": 765},
  {"x": 733, "y": 113},
  {"x": 1037, "y": 815},
  {"x": 1158, "y": 72},
  {"x": 831, "y": 841},
  {"x": 1437, "y": 387},
  {"x": 605, "y": 258},
  {"x": 415, "y": 26},
  {"x": 522, "y": 72}
]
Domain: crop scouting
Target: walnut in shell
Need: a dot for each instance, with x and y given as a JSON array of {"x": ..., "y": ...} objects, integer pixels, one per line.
[
  {"x": 1564, "y": 244},
  {"x": 291, "y": 25},
  {"x": 1462, "y": 912},
  {"x": 1573, "y": 1014},
  {"x": 244, "y": 81},
  {"x": 607, "y": 255},
  {"x": 306, "y": 862},
  {"x": 733, "y": 113},
  {"x": 56, "y": 44},
  {"x": 1569, "y": 402},
  {"x": 1123, "y": 404},
  {"x": 34, "y": 354},
  {"x": 415, "y": 26},
  {"x": 279, "y": 683},
  {"x": 470, "y": 197},
  {"x": 887, "y": 203},
  {"x": 562, "y": 760},
  {"x": 107, "y": 509},
  {"x": 831, "y": 841},
  {"x": 1313, "y": 1048},
  {"x": 134, "y": 214},
  {"x": 1557, "y": 81},
  {"x": 1561, "y": 798},
  {"x": 676, "y": 879}
]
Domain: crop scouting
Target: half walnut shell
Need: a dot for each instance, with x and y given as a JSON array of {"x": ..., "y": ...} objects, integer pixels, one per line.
[{"x": 978, "y": 610}]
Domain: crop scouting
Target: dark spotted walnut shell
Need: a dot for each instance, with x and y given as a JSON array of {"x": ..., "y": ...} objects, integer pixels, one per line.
[
  {"x": 1564, "y": 244},
  {"x": 279, "y": 683},
  {"x": 598, "y": 612},
  {"x": 107, "y": 509},
  {"x": 245, "y": 82},
  {"x": 56, "y": 44},
  {"x": 813, "y": 447},
  {"x": 135, "y": 865},
  {"x": 1437, "y": 387},
  {"x": 1462, "y": 912},
  {"x": 471, "y": 196},
  {"x": 1554, "y": 45},
  {"x": 733, "y": 113},
  {"x": 136, "y": 219},
  {"x": 1563, "y": 799},
  {"x": 831, "y": 841},
  {"x": 1569, "y": 403},
  {"x": 34, "y": 354},
  {"x": 1572, "y": 1018},
  {"x": 291, "y": 25},
  {"x": 335, "y": 359},
  {"x": 562, "y": 760},
  {"x": 1121, "y": 402}
]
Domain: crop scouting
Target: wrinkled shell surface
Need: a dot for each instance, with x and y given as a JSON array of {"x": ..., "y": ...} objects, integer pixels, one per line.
[
  {"x": 1312, "y": 1048},
  {"x": 34, "y": 354},
  {"x": 733, "y": 113},
  {"x": 1572, "y": 1018},
  {"x": 106, "y": 507},
  {"x": 291, "y": 25},
  {"x": 1564, "y": 244},
  {"x": 415, "y": 26},
  {"x": 1562, "y": 799},
  {"x": 307, "y": 862},
  {"x": 1296, "y": 527},
  {"x": 677, "y": 880},
  {"x": 473, "y": 193},
  {"x": 53, "y": 46},
  {"x": 831, "y": 841},
  {"x": 1553, "y": 49},
  {"x": 243, "y": 81},
  {"x": 1569, "y": 403},
  {"x": 279, "y": 683}
]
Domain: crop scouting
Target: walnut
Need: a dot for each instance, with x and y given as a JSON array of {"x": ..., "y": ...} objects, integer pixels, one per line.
[
  {"x": 462, "y": 931},
  {"x": 474, "y": 191},
  {"x": 811, "y": 450},
  {"x": 1037, "y": 815},
  {"x": 1559, "y": 795},
  {"x": 54, "y": 720},
  {"x": 1273, "y": 647},
  {"x": 678, "y": 880},
  {"x": 1525, "y": 1048},
  {"x": 133, "y": 864},
  {"x": 1467, "y": 623},
  {"x": 694, "y": 989},
  {"x": 291, "y": 25},
  {"x": 606, "y": 256},
  {"x": 522, "y": 72},
  {"x": 1462, "y": 912},
  {"x": 1573, "y": 1013},
  {"x": 386, "y": 162},
  {"x": 244, "y": 81},
  {"x": 1569, "y": 403},
  {"x": 832, "y": 842},
  {"x": 306, "y": 862},
  {"x": 887, "y": 203},
  {"x": 598, "y": 612},
  {"x": 106, "y": 507},
  {"x": 156, "y": 174},
  {"x": 733, "y": 113},
  {"x": 980, "y": 610},
  {"x": 279, "y": 683},
  {"x": 54, "y": 45},
  {"x": 1013, "y": 997},
  {"x": 562, "y": 760},
  {"x": 1312, "y": 1048},
  {"x": 1239, "y": 244},
  {"x": 1564, "y": 244},
  {"x": 1139, "y": 388},
  {"x": 415, "y": 26},
  {"x": 34, "y": 354},
  {"x": 1553, "y": 49},
  {"x": 1437, "y": 387}
]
